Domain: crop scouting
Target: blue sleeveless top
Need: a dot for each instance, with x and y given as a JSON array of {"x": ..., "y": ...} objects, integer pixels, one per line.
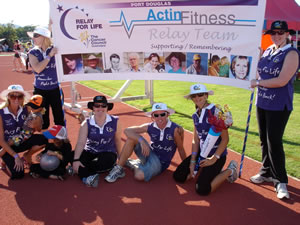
[
  {"x": 163, "y": 143},
  {"x": 269, "y": 66},
  {"x": 101, "y": 139},
  {"x": 47, "y": 79},
  {"x": 202, "y": 127},
  {"x": 12, "y": 125}
]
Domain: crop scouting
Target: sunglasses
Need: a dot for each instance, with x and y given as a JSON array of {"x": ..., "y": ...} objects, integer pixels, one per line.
[
  {"x": 161, "y": 115},
  {"x": 14, "y": 97},
  {"x": 100, "y": 106},
  {"x": 199, "y": 95},
  {"x": 36, "y": 35},
  {"x": 280, "y": 32}
]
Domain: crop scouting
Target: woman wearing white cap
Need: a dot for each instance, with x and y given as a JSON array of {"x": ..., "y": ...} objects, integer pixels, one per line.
[
  {"x": 210, "y": 175},
  {"x": 42, "y": 61},
  {"x": 12, "y": 117}
]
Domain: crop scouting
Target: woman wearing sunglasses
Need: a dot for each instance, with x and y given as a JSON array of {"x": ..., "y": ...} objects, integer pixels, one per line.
[
  {"x": 210, "y": 175},
  {"x": 154, "y": 158},
  {"x": 99, "y": 142},
  {"x": 277, "y": 71},
  {"x": 42, "y": 61},
  {"x": 12, "y": 117}
]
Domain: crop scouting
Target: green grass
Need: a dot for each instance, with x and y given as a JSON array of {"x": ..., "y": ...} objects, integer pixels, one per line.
[{"x": 172, "y": 92}]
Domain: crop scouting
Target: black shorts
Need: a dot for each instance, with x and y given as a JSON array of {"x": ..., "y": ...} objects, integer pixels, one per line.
[{"x": 17, "y": 55}]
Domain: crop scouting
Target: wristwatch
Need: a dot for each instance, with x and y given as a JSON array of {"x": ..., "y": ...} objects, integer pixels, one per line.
[
  {"x": 257, "y": 83},
  {"x": 217, "y": 156}
]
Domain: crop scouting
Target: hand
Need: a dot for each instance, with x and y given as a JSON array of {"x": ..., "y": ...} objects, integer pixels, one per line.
[
  {"x": 50, "y": 152},
  {"x": 38, "y": 157},
  {"x": 208, "y": 162},
  {"x": 19, "y": 164},
  {"x": 53, "y": 51},
  {"x": 253, "y": 83},
  {"x": 145, "y": 148},
  {"x": 76, "y": 165},
  {"x": 192, "y": 168}
]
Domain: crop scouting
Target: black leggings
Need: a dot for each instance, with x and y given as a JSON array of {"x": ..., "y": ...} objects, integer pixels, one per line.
[
  {"x": 206, "y": 176},
  {"x": 52, "y": 98},
  {"x": 96, "y": 163}
]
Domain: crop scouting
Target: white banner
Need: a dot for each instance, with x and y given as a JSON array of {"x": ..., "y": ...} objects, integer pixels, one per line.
[{"x": 207, "y": 41}]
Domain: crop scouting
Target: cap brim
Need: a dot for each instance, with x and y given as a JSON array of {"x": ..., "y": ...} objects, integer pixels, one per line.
[
  {"x": 170, "y": 112},
  {"x": 110, "y": 106},
  {"x": 4, "y": 94},
  {"x": 30, "y": 34},
  {"x": 48, "y": 135},
  {"x": 189, "y": 95},
  {"x": 33, "y": 105}
]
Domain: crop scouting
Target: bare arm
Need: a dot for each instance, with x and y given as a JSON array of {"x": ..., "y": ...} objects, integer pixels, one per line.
[
  {"x": 179, "y": 138},
  {"x": 134, "y": 134},
  {"x": 40, "y": 66},
  {"x": 118, "y": 138},
  {"x": 289, "y": 68},
  {"x": 81, "y": 141},
  {"x": 18, "y": 162},
  {"x": 195, "y": 150}
]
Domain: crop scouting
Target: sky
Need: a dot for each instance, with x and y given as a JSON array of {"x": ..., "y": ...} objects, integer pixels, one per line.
[{"x": 25, "y": 12}]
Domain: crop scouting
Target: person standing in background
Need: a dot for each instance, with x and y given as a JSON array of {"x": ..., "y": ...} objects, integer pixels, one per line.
[{"x": 42, "y": 61}]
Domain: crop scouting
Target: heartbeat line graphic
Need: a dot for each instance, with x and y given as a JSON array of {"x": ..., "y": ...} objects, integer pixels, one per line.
[{"x": 129, "y": 27}]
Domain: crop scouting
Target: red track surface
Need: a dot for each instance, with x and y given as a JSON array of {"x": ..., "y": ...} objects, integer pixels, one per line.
[{"x": 159, "y": 202}]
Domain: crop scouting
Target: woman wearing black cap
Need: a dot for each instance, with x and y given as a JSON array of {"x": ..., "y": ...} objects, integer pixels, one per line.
[
  {"x": 99, "y": 142},
  {"x": 277, "y": 70}
]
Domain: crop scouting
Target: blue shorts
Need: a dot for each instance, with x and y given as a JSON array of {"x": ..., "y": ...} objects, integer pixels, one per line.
[{"x": 150, "y": 165}]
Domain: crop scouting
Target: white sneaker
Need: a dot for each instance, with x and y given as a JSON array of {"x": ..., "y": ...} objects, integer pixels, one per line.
[
  {"x": 115, "y": 173},
  {"x": 258, "y": 179},
  {"x": 282, "y": 191},
  {"x": 233, "y": 167}
]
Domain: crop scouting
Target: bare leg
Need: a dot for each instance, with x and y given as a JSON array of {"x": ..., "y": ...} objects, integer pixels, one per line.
[
  {"x": 139, "y": 175},
  {"x": 220, "y": 179},
  {"x": 126, "y": 151}
]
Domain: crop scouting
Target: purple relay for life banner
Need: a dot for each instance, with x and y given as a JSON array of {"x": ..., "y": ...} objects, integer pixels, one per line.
[{"x": 205, "y": 41}]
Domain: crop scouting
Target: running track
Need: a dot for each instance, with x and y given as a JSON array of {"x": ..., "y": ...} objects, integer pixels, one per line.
[{"x": 159, "y": 202}]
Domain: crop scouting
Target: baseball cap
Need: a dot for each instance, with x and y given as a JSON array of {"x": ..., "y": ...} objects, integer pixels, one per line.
[
  {"x": 35, "y": 102},
  {"x": 197, "y": 57},
  {"x": 57, "y": 131}
]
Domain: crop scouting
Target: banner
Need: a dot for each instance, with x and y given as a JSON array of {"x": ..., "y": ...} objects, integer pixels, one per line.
[{"x": 207, "y": 41}]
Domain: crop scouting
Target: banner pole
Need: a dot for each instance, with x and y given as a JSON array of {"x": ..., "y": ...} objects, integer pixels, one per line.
[{"x": 246, "y": 133}]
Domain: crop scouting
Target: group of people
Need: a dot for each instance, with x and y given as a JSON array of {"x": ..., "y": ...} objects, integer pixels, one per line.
[{"x": 99, "y": 147}]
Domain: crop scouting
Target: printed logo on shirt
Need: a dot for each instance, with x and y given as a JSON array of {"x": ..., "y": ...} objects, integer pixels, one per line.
[
  {"x": 109, "y": 129},
  {"x": 169, "y": 137}
]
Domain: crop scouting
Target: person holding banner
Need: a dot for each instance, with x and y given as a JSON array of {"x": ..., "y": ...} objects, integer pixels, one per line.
[
  {"x": 99, "y": 142},
  {"x": 154, "y": 158},
  {"x": 210, "y": 174},
  {"x": 277, "y": 70},
  {"x": 42, "y": 61}
]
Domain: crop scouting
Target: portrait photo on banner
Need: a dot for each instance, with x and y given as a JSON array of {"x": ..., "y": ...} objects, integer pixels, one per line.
[
  {"x": 154, "y": 62},
  {"x": 175, "y": 62},
  {"x": 196, "y": 63},
  {"x": 113, "y": 62},
  {"x": 240, "y": 67},
  {"x": 72, "y": 64},
  {"x": 92, "y": 63}
]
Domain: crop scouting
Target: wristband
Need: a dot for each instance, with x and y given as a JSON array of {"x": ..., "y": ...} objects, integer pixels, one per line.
[
  {"x": 217, "y": 156},
  {"x": 74, "y": 160},
  {"x": 257, "y": 83},
  {"x": 140, "y": 139},
  {"x": 193, "y": 161},
  {"x": 48, "y": 57},
  {"x": 194, "y": 153},
  {"x": 16, "y": 155}
]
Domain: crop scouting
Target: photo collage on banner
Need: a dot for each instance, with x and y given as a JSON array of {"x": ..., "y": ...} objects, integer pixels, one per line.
[{"x": 228, "y": 66}]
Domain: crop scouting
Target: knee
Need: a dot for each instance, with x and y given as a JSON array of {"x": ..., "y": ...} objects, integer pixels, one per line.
[
  {"x": 179, "y": 177},
  {"x": 139, "y": 175},
  {"x": 203, "y": 189}
]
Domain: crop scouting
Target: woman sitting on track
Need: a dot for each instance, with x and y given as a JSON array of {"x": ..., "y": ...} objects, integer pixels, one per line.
[
  {"x": 99, "y": 142},
  {"x": 12, "y": 117}
]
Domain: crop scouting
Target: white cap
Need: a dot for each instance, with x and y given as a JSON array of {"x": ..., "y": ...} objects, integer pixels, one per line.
[
  {"x": 158, "y": 107},
  {"x": 40, "y": 30},
  {"x": 14, "y": 88},
  {"x": 198, "y": 88}
]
